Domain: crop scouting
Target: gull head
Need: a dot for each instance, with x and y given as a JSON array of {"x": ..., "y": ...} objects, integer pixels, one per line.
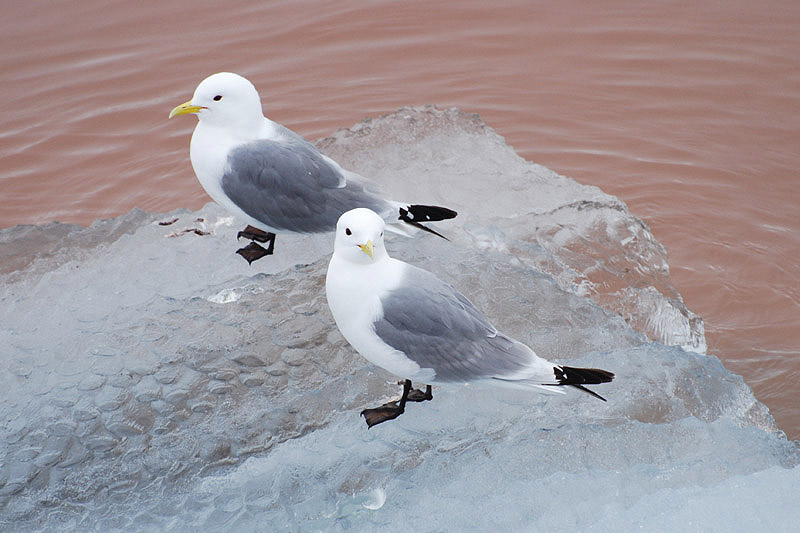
[
  {"x": 224, "y": 100},
  {"x": 359, "y": 237}
]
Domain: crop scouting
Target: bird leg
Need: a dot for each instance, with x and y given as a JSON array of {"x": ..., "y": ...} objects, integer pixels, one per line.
[
  {"x": 391, "y": 410},
  {"x": 253, "y": 252},
  {"x": 416, "y": 395},
  {"x": 388, "y": 411}
]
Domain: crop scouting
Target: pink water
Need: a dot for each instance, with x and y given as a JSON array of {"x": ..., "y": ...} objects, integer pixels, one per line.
[{"x": 689, "y": 113}]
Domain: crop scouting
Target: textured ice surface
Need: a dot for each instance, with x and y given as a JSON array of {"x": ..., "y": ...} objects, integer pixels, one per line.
[
  {"x": 152, "y": 380},
  {"x": 586, "y": 239}
]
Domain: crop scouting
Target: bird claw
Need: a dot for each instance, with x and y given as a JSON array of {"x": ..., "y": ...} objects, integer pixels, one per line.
[
  {"x": 253, "y": 251},
  {"x": 377, "y": 415},
  {"x": 391, "y": 410},
  {"x": 254, "y": 234},
  {"x": 416, "y": 395}
]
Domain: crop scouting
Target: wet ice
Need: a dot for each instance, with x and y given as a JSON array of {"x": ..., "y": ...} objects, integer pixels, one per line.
[{"x": 153, "y": 380}]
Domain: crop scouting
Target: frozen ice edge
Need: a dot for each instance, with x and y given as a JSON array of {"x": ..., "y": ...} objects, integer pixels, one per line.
[{"x": 138, "y": 402}]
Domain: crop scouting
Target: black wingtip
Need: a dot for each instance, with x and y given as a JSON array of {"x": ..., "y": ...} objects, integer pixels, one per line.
[
  {"x": 578, "y": 377},
  {"x": 569, "y": 375},
  {"x": 416, "y": 214},
  {"x": 588, "y": 391},
  {"x": 429, "y": 213}
]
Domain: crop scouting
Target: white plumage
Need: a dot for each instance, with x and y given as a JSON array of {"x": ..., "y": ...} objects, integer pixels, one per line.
[
  {"x": 409, "y": 322},
  {"x": 272, "y": 178}
]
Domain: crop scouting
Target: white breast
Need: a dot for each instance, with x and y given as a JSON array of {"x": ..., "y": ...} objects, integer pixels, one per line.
[
  {"x": 209, "y": 151},
  {"x": 354, "y": 299}
]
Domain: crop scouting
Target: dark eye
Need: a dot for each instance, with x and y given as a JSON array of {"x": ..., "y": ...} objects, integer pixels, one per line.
[
  {"x": 347, "y": 231},
  {"x": 218, "y": 98}
]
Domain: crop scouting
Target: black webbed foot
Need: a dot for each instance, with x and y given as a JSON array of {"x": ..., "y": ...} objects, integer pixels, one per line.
[
  {"x": 387, "y": 411},
  {"x": 254, "y": 234},
  {"x": 416, "y": 395},
  {"x": 253, "y": 252},
  {"x": 391, "y": 410}
]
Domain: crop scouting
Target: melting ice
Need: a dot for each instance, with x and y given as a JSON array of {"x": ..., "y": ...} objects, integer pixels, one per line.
[{"x": 153, "y": 381}]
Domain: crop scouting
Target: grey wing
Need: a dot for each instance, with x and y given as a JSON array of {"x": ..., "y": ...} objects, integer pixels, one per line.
[
  {"x": 290, "y": 186},
  {"x": 438, "y": 328}
]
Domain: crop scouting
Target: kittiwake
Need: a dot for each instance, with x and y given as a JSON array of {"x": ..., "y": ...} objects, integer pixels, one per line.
[
  {"x": 409, "y": 322},
  {"x": 272, "y": 178}
]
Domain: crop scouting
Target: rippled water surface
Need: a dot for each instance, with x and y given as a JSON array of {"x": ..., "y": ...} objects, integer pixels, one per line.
[{"x": 689, "y": 113}]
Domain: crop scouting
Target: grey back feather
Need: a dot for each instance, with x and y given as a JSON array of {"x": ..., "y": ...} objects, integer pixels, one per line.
[
  {"x": 288, "y": 185},
  {"x": 439, "y": 328}
]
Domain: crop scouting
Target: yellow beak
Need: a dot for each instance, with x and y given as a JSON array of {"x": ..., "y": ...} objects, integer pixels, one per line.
[
  {"x": 185, "y": 109},
  {"x": 367, "y": 249}
]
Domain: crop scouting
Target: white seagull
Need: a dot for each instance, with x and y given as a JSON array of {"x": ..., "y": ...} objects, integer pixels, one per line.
[
  {"x": 409, "y": 322},
  {"x": 272, "y": 178}
]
